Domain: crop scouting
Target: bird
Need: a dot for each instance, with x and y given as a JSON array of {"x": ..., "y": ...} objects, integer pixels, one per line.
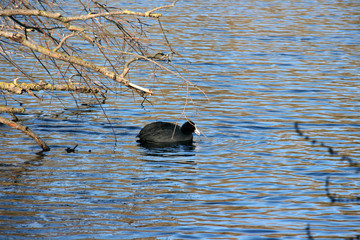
[{"x": 167, "y": 133}]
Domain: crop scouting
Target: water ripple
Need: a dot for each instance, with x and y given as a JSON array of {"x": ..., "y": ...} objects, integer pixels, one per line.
[{"x": 263, "y": 65}]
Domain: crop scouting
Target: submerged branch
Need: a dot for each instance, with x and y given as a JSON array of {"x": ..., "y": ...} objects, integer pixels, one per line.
[{"x": 25, "y": 130}]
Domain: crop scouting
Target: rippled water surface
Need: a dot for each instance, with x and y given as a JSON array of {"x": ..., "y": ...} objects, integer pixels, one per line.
[{"x": 263, "y": 66}]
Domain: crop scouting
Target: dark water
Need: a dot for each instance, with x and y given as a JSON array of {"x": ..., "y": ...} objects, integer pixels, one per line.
[{"x": 263, "y": 66}]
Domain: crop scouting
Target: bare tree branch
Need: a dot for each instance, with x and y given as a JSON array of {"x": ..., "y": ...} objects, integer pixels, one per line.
[
  {"x": 24, "y": 87},
  {"x": 59, "y": 17},
  {"x": 20, "y": 38},
  {"x": 7, "y": 109}
]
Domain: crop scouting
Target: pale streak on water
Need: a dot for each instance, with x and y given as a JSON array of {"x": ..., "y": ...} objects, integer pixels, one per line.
[{"x": 264, "y": 65}]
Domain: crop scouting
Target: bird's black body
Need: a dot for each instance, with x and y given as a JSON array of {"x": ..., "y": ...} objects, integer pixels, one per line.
[{"x": 164, "y": 132}]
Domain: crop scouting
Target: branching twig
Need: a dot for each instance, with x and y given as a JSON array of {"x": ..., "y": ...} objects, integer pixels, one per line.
[
  {"x": 157, "y": 56},
  {"x": 149, "y": 13},
  {"x": 63, "y": 41}
]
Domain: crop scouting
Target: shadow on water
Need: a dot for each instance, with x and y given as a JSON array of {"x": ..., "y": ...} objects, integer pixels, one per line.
[
  {"x": 14, "y": 172},
  {"x": 185, "y": 149}
]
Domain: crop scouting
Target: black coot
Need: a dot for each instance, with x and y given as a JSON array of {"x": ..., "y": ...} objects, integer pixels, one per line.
[{"x": 164, "y": 132}]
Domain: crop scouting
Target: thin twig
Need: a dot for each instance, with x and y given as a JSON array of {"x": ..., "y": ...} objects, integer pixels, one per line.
[
  {"x": 148, "y": 13},
  {"x": 63, "y": 41}
]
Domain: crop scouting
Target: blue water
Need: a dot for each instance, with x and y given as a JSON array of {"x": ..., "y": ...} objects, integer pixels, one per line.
[{"x": 261, "y": 66}]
